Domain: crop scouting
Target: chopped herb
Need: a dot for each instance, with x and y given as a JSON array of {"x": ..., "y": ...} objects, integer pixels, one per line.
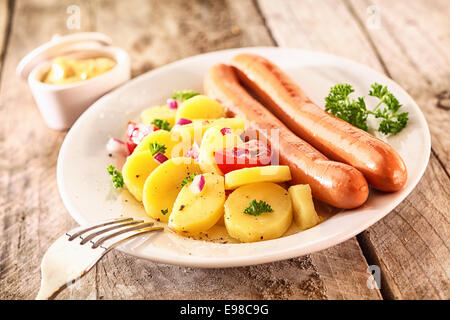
[
  {"x": 188, "y": 179},
  {"x": 156, "y": 147},
  {"x": 184, "y": 95},
  {"x": 356, "y": 112},
  {"x": 164, "y": 212},
  {"x": 162, "y": 124},
  {"x": 255, "y": 208},
  {"x": 352, "y": 111},
  {"x": 117, "y": 178},
  {"x": 393, "y": 122}
]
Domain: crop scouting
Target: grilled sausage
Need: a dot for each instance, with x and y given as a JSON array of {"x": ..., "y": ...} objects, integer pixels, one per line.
[
  {"x": 335, "y": 183},
  {"x": 382, "y": 166}
]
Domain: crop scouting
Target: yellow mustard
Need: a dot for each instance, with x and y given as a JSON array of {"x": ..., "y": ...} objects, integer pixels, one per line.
[{"x": 64, "y": 70}]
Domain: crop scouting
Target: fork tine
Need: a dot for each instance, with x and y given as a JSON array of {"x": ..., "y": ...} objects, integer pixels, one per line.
[
  {"x": 114, "y": 221},
  {"x": 65, "y": 261},
  {"x": 115, "y": 234},
  {"x": 136, "y": 233},
  {"x": 93, "y": 235}
]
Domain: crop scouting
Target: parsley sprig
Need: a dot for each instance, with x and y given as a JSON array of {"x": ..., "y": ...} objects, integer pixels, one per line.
[
  {"x": 184, "y": 95},
  {"x": 162, "y": 124},
  {"x": 255, "y": 208},
  {"x": 339, "y": 103},
  {"x": 155, "y": 147},
  {"x": 355, "y": 111},
  {"x": 188, "y": 179},
  {"x": 392, "y": 121},
  {"x": 117, "y": 178}
]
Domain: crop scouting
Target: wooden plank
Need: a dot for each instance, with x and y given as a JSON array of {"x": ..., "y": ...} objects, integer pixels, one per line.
[
  {"x": 421, "y": 221},
  {"x": 413, "y": 42},
  {"x": 325, "y": 25},
  {"x": 31, "y": 212},
  {"x": 32, "y": 215},
  {"x": 159, "y": 32},
  {"x": 411, "y": 245},
  {"x": 4, "y": 22},
  {"x": 290, "y": 279}
]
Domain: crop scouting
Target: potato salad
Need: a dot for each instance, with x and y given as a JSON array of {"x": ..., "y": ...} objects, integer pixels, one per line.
[{"x": 193, "y": 167}]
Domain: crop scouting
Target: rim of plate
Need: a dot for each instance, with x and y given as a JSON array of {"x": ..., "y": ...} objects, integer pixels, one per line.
[{"x": 295, "y": 250}]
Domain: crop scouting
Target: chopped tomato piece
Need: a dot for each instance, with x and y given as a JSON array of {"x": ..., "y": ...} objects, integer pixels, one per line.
[
  {"x": 253, "y": 153},
  {"x": 136, "y": 132}
]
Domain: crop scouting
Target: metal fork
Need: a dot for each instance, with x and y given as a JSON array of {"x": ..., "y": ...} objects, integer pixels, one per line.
[{"x": 73, "y": 254}]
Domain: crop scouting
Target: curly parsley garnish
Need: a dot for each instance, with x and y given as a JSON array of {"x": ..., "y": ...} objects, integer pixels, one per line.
[
  {"x": 117, "y": 178},
  {"x": 355, "y": 112},
  {"x": 352, "y": 111},
  {"x": 255, "y": 208},
  {"x": 162, "y": 124},
  {"x": 393, "y": 122},
  {"x": 184, "y": 95},
  {"x": 188, "y": 179},
  {"x": 156, "y": 147},
  {"x": 164, "y": 212}
]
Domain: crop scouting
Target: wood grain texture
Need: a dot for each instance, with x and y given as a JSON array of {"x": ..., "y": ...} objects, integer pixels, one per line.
[
  {"x": 32, "y": 214},
  {"x": 159, "y": 32},
  {"x": 413, "y": 42},
  {"x": 4, "y": 23},
  {"x": 411, "y": 243}
]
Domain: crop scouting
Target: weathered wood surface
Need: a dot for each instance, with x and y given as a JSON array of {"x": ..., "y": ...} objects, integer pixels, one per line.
[
  {"x": 409, "y": 243},
  {"x": 32, "y": 214},
  {"x": 4, "y": 20},
  {"x": 411, "y": 45}
]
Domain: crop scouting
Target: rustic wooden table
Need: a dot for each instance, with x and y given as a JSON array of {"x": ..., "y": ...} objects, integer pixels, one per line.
[{"x": 408, "y": 41}]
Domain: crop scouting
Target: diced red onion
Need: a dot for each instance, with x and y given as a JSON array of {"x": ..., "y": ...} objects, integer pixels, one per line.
[
  {"x": 193, "y": 152},
  {"x": 173, "y": 104},
  {"x": 198, "y": 184},
  {"x": 140, "y": 132},
  {"x": 160, "y": 158},
  {"x": 117, "y": 147},
  {"x": 252, "y": 148},
  {"x": 183, "y": 121},
  {"x": 225, "y": 131}
]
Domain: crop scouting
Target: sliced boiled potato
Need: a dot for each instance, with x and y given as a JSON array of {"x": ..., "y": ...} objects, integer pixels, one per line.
[
  {"x": 163, "y": 185},
  {"x": 200, "y": 107},
  {"x": 135, "y": 171},
  {"x": 305, "y": 215},
  {"x": 245, "y": 176},
  {"x": 214, "y": 140},
  {"x": 162, "y": 137},
  {"x": 196, "y": 130},
  {"x": 196, "y": 212},
  {"x": 159, "y": 112},
  {"x": 267, "y": 225}
]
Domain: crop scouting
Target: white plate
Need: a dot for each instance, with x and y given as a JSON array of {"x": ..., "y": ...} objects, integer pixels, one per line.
[{"x": 86, "y": 188}]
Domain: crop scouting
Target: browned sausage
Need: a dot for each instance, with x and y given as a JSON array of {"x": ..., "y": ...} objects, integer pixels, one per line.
[
  {"x": 382, "y": 166},
  {"x": 335, "y": 183}
]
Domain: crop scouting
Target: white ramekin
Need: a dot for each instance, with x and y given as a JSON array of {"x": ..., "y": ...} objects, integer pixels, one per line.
[{"x": 60, "y": 105}]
